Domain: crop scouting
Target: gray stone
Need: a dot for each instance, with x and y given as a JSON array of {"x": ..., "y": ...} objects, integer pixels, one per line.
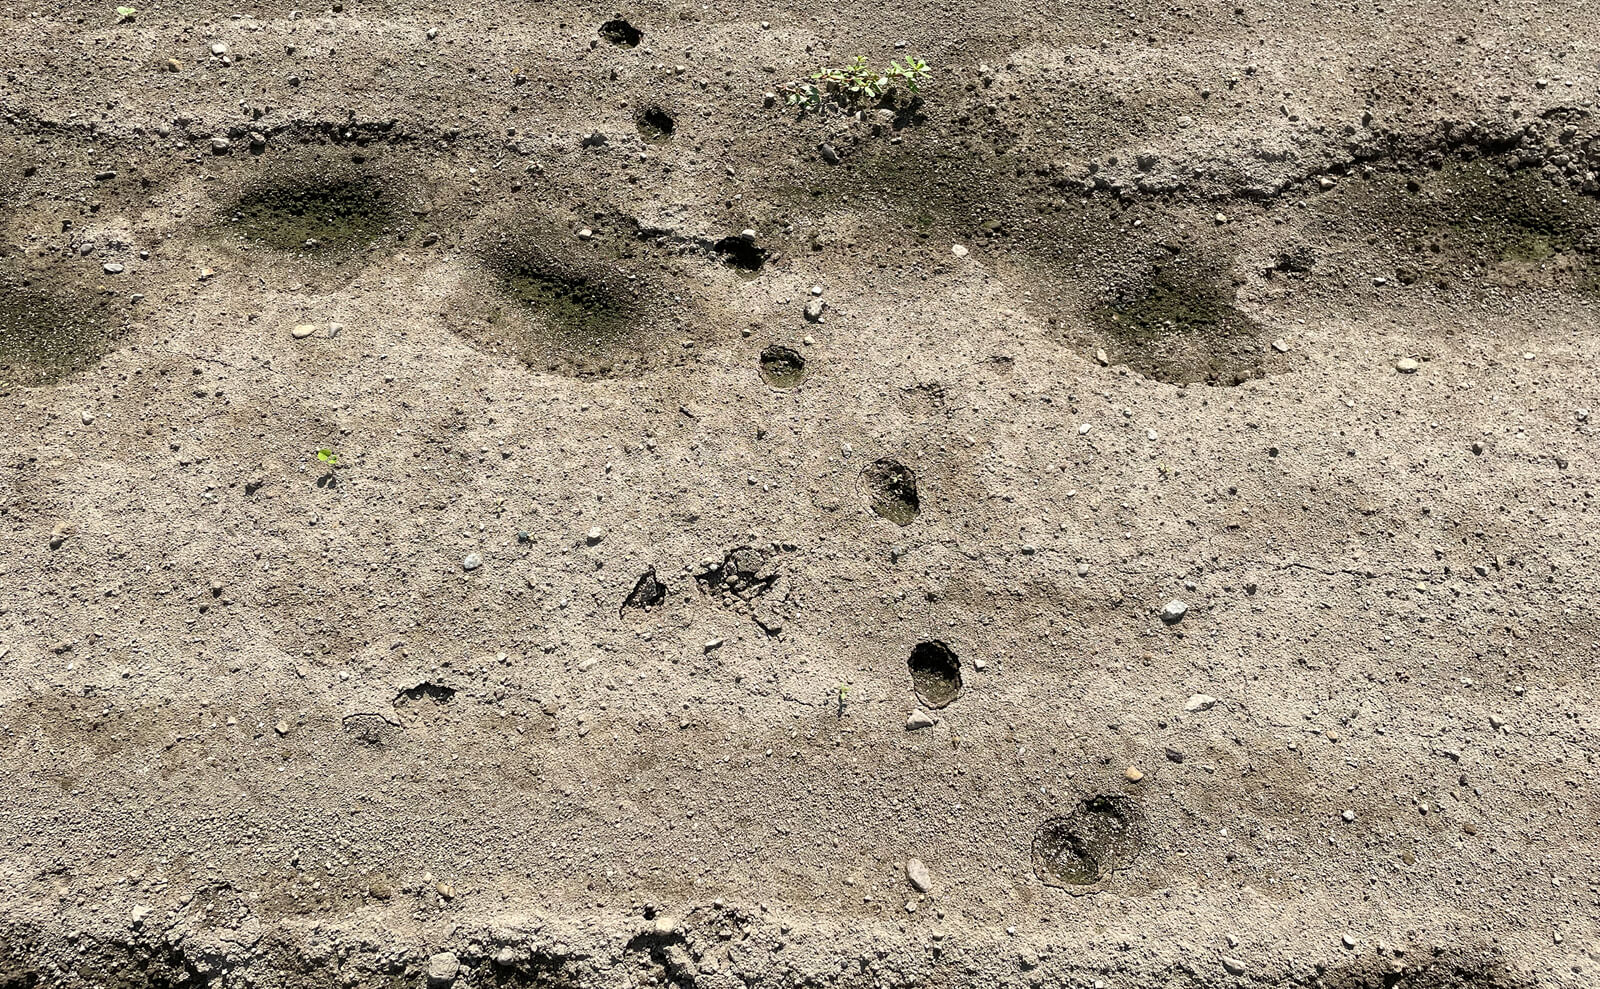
[
  {"x": 1406, "y": 365},
  {"x": 112, "y": 268},
  {"x": 472, "y": 562},
  {"x": 919, "y": 719},
  {"x": 442, "y": 968},
  {"x": 1200, "y": 702},
  {"x": 917, "y": 873},
  {"x": 828, "y": 153},
  {"x": 1173, "y": 613},
  {"x": 814, "y": 310},
  {"x": 1232, "y": 966}
]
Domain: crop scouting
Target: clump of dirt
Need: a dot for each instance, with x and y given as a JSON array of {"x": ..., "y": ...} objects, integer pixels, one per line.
[
  {"x": 656, "y": 126},
  {"x": 935, "y": 673},
  {"x": 648, "y": 592},
  {"x": 370, "y": 729},
  {"x": 315, "y": 217},
  {"x": 892, "y": 490},
  {"x": 44, "y": 338},
  {"x": 1101, "y": 835},
  {"x": 1181, "y": 332},
  {"x": 782, "y": 367},
  {"x": 742, "y": 573}
]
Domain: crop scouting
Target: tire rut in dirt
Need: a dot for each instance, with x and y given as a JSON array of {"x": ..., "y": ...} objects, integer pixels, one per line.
[
  {"x": 1181, "y": 332},
  {"x": 935, "y": 673},
  {"x": 566, "y": 313},
  {"x": 46, "y": 337},
  {"x": 892, "y": 491},
  {"x": 782, "y": 367},
  {"x": 1101, "y": 835},
  {"x": 315, "y": 217}
]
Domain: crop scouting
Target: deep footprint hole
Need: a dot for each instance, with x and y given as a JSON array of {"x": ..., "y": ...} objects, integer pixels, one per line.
[
  {"x": 620, "y": 32},
  {"x": 648, "y": 593},
  {"x": 740, "y": 252},
  {"x": 655, "y": 125},
  {"x": 935, "y": 673},
  {"x": 1101, "y": 835},
  {"x": 892, "y": 490},
  {"x": 582, "y": 325},
  {"x": 782, "y": 367}
]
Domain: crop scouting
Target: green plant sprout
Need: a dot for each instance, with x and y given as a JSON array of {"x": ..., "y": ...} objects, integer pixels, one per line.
[
  {"x": 328, "y": 457},
  {"x": 126, "y": 13},
  {"x": 856, "y": 83}
]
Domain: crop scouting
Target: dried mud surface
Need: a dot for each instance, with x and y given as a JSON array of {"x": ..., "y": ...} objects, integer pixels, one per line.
[{"x": 743, "y": 547}]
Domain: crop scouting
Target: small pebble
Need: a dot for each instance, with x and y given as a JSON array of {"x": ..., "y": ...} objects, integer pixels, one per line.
[
  {"x": 917, "y": 873},
  {"x": 594, "y": 535},
  {"x": 919, "y": 719},
  {"x": 1280, "y": 345},
  {"x": 1406, "y": 365},
  {"x": 472, "y": 562},
  {"x": 1348, "y": 815},
  {"x": 958, "y": 250},
  {"x": 1133, "y": 774},
  {"x": 303, "y": 330},
  {"x": 1174, "y": 612},
  {"x": 111, "y": 268},
  {"x": 1200, "y": 702}
]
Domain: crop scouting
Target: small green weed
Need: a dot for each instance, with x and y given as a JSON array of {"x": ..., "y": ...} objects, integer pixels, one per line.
[
  {"x": 856, "y": 83},
  {"x": 328, "y": 457},
  {"x": 126, "y": 13}
]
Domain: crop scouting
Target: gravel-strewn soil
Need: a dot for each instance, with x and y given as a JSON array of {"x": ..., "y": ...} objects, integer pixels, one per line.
[{"x": 744, "y": 542}]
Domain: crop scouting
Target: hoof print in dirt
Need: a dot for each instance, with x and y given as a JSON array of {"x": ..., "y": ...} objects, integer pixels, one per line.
[
  {"x": 892, "y": 490},
  {"x": 1102, "y": 835},
  {"x": 648, "y": 593},
  {"x": 1181, "y": 334},
  {"x": 782, "y": 367},
  {"x": 620, "y": 33},
  {"x": 371, "y": 729},
  {"x": 656, "y": 126},
  {"x": 935, "y": 673}
]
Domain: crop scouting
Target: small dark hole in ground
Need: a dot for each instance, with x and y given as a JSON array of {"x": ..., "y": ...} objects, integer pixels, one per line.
[
  {"x": 647, "y": 593},
  {"x": 741, "y": 253},
  {"x": 1101, "y": 835},
  {"x": 892, "y": 490},
  {"x": 316, "y": 216},
  {"x": 436, "y": 692},
  {"x": 620, "y": 32},
  {"x": 655, "y": 125},
  {"x": 782, "y": 367},
  {"x": 935, "y": 673}
]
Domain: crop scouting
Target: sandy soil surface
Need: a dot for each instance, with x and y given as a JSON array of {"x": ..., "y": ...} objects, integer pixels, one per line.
[{"x": 492, "y": 496}]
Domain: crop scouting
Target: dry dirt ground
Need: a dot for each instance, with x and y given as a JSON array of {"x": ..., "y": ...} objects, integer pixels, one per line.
[{"x": 650, "y": 629}]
